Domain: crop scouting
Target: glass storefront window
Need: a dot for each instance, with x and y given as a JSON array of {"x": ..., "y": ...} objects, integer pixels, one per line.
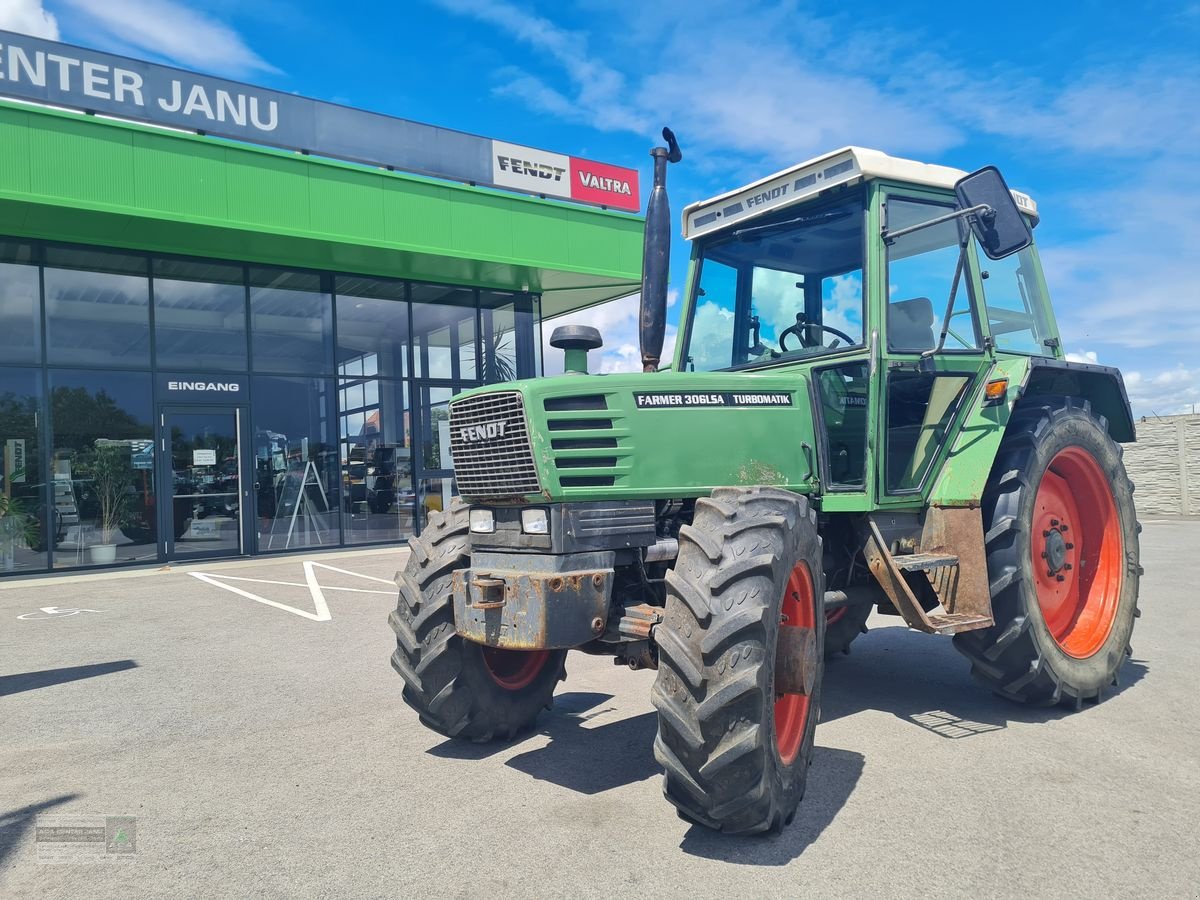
[
  {"x": 372, "y": 327},
  {"x": 444, "y": 332},
  {"x": 296, "y": 463},
  {"x": 199, "y": 315},
  {"x": 20, "y": 305},
  {"x": 102, "y": 474},
  {"x": 97, "y": 308},
  {"x": 508, "y": 345},
  {"x": 24, "y": 525},
  {"x": 376, "y": 457},
  {"x": 291, "y": 322}
]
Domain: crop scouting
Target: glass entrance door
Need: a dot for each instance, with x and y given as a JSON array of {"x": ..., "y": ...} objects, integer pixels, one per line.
[{"x": 204, "y": 490}]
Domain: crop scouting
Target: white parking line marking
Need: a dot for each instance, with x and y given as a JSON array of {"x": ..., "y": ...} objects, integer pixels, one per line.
[{"x": 316, "y": 591}]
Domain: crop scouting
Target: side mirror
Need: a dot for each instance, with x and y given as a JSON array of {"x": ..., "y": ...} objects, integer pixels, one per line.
[{"x": 1001, "y": 229}]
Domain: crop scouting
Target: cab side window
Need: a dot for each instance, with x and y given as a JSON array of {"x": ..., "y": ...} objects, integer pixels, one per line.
[
  {"x": 921, "y": 269},
  {"x": 1015, "y": 303}
]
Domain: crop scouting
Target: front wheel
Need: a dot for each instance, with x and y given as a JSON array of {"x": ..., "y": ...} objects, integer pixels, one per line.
[
  {"x": 459, "y": 688},
  {"x": 736, "y": 738},
  {"x": 1062, "y": 554}
]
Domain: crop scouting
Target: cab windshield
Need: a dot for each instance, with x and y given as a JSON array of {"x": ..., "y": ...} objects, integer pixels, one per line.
[{"x": 785, "y": 287}]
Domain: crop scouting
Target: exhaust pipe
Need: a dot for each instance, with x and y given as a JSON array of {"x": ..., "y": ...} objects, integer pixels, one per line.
[{"x": 656, "y": 256}]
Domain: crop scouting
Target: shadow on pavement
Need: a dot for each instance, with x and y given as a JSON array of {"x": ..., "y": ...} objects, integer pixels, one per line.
[
  {"x": 14, "y": 824},
  {"x": 569, "y": 709},
  {"x": 831, "y": 780},
  {"x": 924, "y": 681},
  {"x": 593, "y": 760},
  {"x": 31, "y": 681},
  {"x": 616, "y": 753}
]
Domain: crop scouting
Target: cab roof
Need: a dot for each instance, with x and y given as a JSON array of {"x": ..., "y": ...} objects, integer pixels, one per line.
[{"x": 807, "y": 179}]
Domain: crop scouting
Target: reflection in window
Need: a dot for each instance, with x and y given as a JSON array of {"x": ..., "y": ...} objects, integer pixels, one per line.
[
  {"x": 199, "y": 315},
  {"x": 444, "y": 332},
  {"x": 843, "y": 391},
  {"x": 920, "y": 408},
  {"x": 296, "y": 463},
  {"x": 376, "y": 458},
  {"x": 921, "y": 268},
  {"x": 1016, "y": 306},
  {"x": 291, "y": 322},
  {"x": 507, "y": 336},
  {"x": 97, "y": 308},
  {"x": 102, "y": 473},
  {"x": 372, "y": 327},
  {"x": 24, "y": 525},
  {"x": 787, "y": 287},
  {"x": 20, "y": 309}
]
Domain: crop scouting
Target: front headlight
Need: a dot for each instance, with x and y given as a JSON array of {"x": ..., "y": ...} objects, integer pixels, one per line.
[
  {"x": 483, "y": 521},
  {"x": 535, "y": 521}
]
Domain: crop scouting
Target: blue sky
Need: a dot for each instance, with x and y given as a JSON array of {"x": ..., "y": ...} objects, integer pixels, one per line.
[{"x": 1091, "y": 107}]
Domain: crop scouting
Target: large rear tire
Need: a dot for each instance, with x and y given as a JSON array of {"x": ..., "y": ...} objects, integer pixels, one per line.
[
  {"x": 736, "y": 752},
  {"x": 459, "y": 688},
  {"x": 1062, "y": 555}
]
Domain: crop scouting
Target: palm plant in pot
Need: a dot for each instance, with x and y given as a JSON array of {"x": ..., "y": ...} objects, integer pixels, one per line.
[
  {"x": 111, "y": 476},
  {"x": 18, "y": 525}
]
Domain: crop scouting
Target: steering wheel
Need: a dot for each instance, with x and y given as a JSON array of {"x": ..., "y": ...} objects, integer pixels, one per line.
[{"x": 798, "y": 329}]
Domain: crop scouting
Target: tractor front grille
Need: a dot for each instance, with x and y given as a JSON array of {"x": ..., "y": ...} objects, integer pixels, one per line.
[{"x": 489, "y": 442}]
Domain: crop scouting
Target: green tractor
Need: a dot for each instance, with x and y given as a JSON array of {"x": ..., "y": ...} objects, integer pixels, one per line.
[{"x": 869, "y": 408}]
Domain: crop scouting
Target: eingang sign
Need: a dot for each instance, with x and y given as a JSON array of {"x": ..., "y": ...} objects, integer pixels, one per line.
[{"x": 77, "y": 78}]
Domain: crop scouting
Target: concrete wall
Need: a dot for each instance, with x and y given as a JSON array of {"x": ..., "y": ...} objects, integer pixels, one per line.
[{"x": 1164, "y": 464}]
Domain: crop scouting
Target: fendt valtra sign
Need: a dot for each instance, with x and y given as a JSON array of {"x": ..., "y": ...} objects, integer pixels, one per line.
[{"x": 77, "y": 78}]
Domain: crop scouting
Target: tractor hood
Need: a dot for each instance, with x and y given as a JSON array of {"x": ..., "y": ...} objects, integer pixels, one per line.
[{"x": 652, "y": 436}]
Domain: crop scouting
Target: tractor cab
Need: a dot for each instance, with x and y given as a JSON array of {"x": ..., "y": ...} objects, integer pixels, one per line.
[{"x": 865, "y": 271}]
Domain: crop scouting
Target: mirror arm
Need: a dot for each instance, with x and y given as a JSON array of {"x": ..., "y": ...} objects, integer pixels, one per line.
[
  {"x": 958, "y": 270},
  {"x": 982, "y": 209}
]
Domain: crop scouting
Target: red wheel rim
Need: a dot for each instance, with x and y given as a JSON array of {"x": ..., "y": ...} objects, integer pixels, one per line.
[
  {"x": 791, "y": 710},
  {"x": 513, "y": 669},
  {"x": 834, "y": 614},
  {"x": 1078, "y": 552}
]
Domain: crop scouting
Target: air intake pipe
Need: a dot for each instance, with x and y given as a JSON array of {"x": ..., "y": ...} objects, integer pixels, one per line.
[{"x": 656, "y": 256}]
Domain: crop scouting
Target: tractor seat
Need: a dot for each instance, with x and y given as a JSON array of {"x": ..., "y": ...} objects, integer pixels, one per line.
[{"x": 910, "y": 324}]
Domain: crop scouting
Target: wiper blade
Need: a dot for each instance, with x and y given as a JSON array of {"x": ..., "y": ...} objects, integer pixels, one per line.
[{"x": 799, "y": 221}]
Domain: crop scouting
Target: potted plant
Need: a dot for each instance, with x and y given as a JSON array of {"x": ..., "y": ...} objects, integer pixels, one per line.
[
  {"x": 111, "y": 475},
  {"x": 18, "y": 525}
]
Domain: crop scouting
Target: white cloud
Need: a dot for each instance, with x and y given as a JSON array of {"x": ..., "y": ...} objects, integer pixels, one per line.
[
  {"x": 28, "y": 17},
  {"x": 1084, "y": 356},
  {"x": 617, "y": 322},
  {"x": 166, "y": 28},
  {"x": 598, "y": 90},
  {"x": 1166, "y": 393}
]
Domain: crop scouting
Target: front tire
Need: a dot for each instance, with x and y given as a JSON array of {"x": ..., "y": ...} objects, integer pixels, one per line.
[
  {"x": 459, "y": 688},
  {"x": 1062, "y": 552},
  {"x": 736, "y": 753}
]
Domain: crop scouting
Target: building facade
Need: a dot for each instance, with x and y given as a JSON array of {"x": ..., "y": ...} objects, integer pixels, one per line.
[{"x": 209, "y": 348}]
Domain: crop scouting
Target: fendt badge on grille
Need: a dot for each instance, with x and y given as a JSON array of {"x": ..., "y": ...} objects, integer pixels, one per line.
[{"x": 489, "y": 431}]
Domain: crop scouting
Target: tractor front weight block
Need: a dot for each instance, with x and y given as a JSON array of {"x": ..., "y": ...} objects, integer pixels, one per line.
[{"x": 528, "y": 601}]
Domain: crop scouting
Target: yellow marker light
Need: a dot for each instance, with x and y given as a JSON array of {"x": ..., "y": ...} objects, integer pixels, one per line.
[{"x": 995, "y": 390}]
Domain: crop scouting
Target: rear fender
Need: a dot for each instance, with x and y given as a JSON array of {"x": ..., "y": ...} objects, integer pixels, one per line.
[{"x": 965, "y": 471}]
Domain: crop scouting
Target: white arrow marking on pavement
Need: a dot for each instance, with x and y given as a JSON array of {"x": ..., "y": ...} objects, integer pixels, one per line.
[{"x": 315, "y": 589}]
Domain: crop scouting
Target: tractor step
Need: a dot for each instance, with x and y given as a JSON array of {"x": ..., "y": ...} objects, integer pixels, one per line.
[
  {"x": 949, "y": 537},
  {"x": 953, "y": 623},
  {"x": 923, "y": 562}
]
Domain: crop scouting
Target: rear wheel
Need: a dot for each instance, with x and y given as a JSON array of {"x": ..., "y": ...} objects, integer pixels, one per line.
[
  {"x": 1062, "y": 551},
  {"x": 735, "y": 741},
  {"x": 459, "y": 688}
]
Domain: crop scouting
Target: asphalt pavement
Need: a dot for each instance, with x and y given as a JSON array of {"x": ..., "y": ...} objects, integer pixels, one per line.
[{"x": 249, "y": 723}]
